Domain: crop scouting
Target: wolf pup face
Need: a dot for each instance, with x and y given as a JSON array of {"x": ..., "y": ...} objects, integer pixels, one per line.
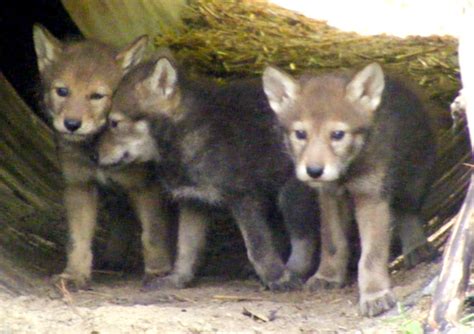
[
  {"x": 149, "y": 91},
  {"x": 326, "y": 118},
  {"x": 125, "y": 142},
  {"x": 79, "y": 80}
]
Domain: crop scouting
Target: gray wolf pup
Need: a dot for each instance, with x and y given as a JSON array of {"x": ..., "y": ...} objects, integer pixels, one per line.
[
  {"x": 78, "y": 80},
  {"x": 213, "y": 147},
  {"x": 362, "y": 140}
]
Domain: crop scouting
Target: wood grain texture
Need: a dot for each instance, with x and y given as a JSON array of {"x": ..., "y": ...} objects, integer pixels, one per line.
[{"x": 119, "y": 21}]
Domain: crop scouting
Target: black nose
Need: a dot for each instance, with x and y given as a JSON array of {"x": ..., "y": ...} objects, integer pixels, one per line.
[
  {"x": 314, "y": 171},
  {"x": 72, "y": 124}
]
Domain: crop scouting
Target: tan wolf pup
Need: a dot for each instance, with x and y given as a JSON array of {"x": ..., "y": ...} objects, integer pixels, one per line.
[
  {"x": 78, "y": 80},
  {"x": 368, "y": 137}
]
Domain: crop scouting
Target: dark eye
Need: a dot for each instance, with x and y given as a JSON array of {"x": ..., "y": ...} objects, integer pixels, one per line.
[
  {"x": 113, "y": 123},
  {"x": 96, "y": 96},
  {"x": 337, "y": 135},
  {"x": 62, "y": 91},
  {"x": 301, "y": 134}
]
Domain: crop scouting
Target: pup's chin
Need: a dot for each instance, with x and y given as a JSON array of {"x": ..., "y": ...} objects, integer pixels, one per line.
[
  {"x": 314, "y": 184},
  {"x": 74, "y": 138}
]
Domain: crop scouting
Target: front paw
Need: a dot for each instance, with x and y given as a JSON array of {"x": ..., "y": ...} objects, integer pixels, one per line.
[
  {"x": 287, "y": 282},
  {"x": 319, "y": 282},
  {"x": 73, "y": 282},
  {"x": 373, "y": 304},
  {"x": 172, "y": 281},
  {"x": 150, "y": 276},
  {"x": 423, "y": 253}
]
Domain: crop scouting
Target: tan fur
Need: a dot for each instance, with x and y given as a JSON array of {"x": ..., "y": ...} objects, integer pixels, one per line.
[
  {"x": 156, "y": 234},
  {"x": 335, "y": 219},
  {"x": 193, "y": 223},
  {"x": 88, "y": 73},
  {"x": 318, "y": 148},
  {"x": 79, "y": 79},
  {"x": 159, "y": 91},
  {"x": 373, "y": 219},
  {"x": 126, "y": 136},
  {"x": 81, "y": 209}
]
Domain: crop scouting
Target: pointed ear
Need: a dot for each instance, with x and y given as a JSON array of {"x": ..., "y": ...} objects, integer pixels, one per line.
[
  {"x": 133, "y": 53},
  {"x": 47, "y": 47},
  {"x": 366, "y": 87},
  {"x": 163, "y": 80},
  {"x": 281, "y": 89}
]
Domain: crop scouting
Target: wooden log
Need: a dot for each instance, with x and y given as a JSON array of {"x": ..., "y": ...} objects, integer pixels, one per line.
[
  {"x": 119, "y": 21},
  {"x": 30, "y": 193},
  {"x": 451, "y": 288},
  {"x": 28, "y": 165}
]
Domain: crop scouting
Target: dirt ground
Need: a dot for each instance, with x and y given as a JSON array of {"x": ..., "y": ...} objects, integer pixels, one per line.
[{"x": 214, "y": 305}]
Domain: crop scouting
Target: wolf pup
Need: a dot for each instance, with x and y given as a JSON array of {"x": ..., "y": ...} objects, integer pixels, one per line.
[
  {"x": 213, "y": 147},
  {"x": 78, "y": 80},
  {"x": 368, "y": 138}
]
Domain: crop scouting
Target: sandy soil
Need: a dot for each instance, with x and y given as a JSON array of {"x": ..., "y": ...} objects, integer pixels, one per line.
[{"x": 214, "y": 305}]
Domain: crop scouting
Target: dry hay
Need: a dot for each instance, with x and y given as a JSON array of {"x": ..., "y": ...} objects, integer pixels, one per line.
[{"x": 234, "y": 39}]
